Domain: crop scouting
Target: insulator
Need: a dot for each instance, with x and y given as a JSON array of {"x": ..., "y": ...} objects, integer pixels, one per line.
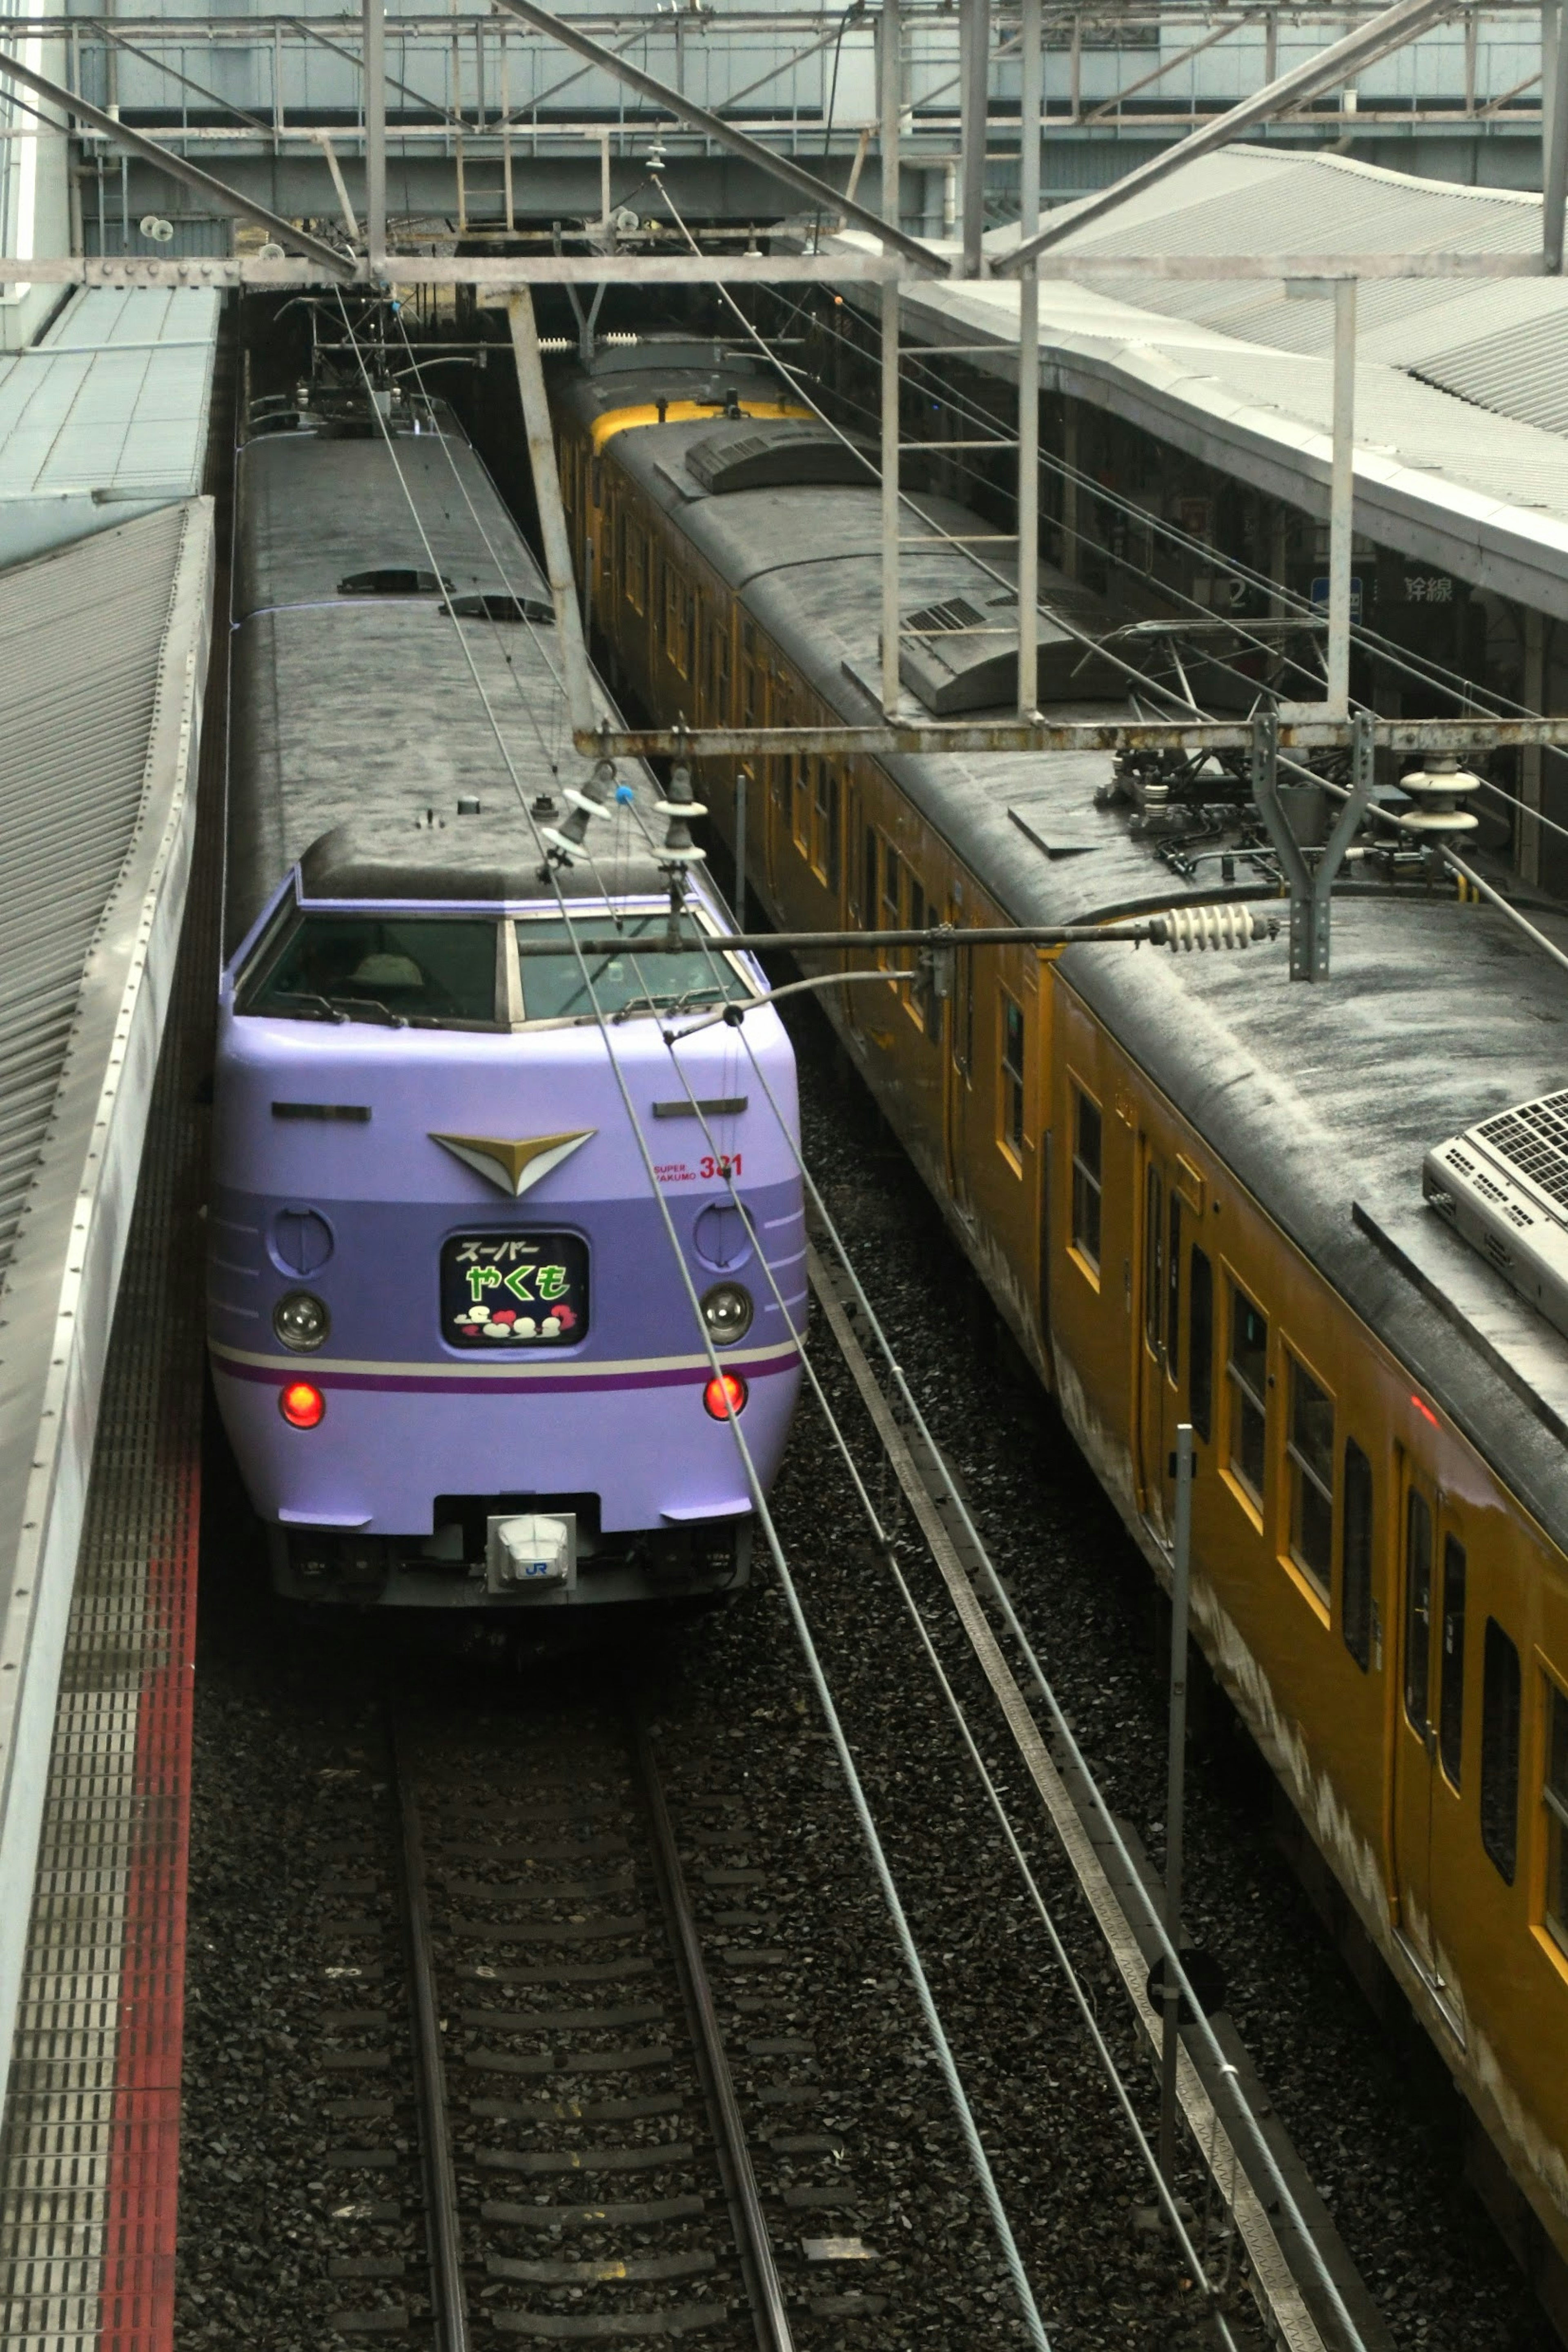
[
  {"x": 585, "y": 806},
  {"x": 679, "y": 807},
  {"x": 1186, "y": 927},
  {"x": 1439, "y": 791}
]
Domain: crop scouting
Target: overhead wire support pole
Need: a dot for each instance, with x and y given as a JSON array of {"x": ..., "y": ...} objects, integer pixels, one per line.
[
  {"x": 223, "y": 200},
  {"x": 1176, "y": 1797},
  {"x": 815, "y": 193},
  {"x": 375, "y": 95},
  {"x": 1388, "y": 30},
  {"x": 1554, "y": 135},
  {"x": 892, "y": 123},
  {"x": 552, "y": 514},
  {"x": 1031, "y": 116},
  {"x": 1342, "y": 497},
  {"x": 975, "y": 46},
  {"x": 1311, "y": 885}
]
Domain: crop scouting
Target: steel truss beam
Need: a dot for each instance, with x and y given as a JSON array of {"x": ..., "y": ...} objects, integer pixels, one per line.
[
  {"x": 931, "y": 737},
  {"x": 503, "y": 274},
  {"x": 223, "y": 200},
  {"x": 814, "y": 193}
]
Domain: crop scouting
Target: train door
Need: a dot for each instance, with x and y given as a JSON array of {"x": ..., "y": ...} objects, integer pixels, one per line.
[
  {"x": 1164, "y": 1215},
  {"x": 1429, "y": 1727}
]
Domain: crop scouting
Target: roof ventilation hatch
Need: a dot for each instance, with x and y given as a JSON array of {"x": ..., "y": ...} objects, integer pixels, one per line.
[{"x": 782, "y": 456}]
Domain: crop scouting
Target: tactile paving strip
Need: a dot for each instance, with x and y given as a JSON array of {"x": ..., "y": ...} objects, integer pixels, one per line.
[{"x": 90, "y": 2148}]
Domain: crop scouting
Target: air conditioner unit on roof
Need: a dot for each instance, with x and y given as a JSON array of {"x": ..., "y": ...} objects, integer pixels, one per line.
[{"x": 1503, "y": 1187}]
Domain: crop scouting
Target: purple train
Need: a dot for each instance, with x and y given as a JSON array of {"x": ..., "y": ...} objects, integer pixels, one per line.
[{"x": 479, "y": 1234}]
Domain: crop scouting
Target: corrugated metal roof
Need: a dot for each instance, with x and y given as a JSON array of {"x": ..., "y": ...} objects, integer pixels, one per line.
[
  {"x": 81, "y": 641},
  {"x": 106, "y": 415},
  {"x": 1498, "y": 346}
]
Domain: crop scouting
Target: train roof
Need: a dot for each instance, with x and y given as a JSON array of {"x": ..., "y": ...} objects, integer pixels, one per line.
[
  {"x": 1322, "y": 1099},
  {"x": 373, "y": 706}
]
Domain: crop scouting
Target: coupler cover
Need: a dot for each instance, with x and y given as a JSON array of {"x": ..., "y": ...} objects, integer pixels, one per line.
[{"x": 531, "y": 1552}]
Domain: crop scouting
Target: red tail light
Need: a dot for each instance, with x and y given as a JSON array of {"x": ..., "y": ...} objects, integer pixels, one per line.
[
  {"x": 302, "y": 1405},
  {"x": 725, "y": 1395}
]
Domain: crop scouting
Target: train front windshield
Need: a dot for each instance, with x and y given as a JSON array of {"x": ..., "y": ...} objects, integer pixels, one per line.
[
  {"x": 569, "y": 986},
  {"x": 426, "y": 970}
]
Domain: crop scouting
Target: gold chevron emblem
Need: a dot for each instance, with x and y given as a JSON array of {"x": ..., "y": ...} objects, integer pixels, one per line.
[{"x": 513, "y": 1164}]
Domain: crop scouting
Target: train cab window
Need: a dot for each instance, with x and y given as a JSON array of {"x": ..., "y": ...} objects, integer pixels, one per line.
[
  {"x": 1086, "y": 1179},
  {"x": 419, "y": 970},
  {"x": 1356, "y": 1554},
  {"x": 1200, "y": 1345},
  {"x": 1246, "y": 1381},
  {"x": 1309, "y": 1454},
  {"x": 1500, "y": 1750},
  {"x": 1451, "y": 1662},
  {"x": 1417, "y": 1610},
  {"x": 1555, "y": 1793},
  {"x": 556, "y": 987},
  {"x": 1011, "y": 1101}
]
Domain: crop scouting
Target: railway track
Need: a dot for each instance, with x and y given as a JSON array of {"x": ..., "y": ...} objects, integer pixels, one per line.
[{"x": 534, "y": 2123}]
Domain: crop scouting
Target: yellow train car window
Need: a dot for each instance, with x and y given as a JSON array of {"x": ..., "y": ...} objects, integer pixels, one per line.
[
  {"x": 1200, "y": 1345},
  {"x": 801, "y": 784},
  {"x": 1173, "y": 1291},
  {"x": 825, "y": 823},
  {"x": 1011, "y": 1105},
  {"x": 634, "y": 567},
  {"x": 1451, "y": 1662},
  {"x": 1500, "y": 1750},
  {"x": 1557, "y": 1796},
  {"x": 1247, "y": 1380},
  {"x": 1087, "y": 1142},
  {"x": 1417, "y": 1610},
  {"x": 891, "y": 900},
  {"x": 1355, "y": 1556},
  {"x": 1154, "y": 1255},
  {"x": 1309, "y": 1452}
]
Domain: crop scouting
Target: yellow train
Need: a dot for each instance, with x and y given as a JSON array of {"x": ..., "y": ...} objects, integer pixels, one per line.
[{"x": 1194, "y": 1190}]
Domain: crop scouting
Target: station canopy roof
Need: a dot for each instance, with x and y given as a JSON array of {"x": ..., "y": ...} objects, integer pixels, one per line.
[{"x": 1461, "y": 384}]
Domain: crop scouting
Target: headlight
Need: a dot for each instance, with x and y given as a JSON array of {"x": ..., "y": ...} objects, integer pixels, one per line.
[
  {"x": 301, "y": 1320},
  {"x": 727, "y": 1311}
]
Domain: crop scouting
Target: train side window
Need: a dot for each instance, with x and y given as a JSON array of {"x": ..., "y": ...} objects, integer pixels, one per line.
[
  {"x": 825, "y": 823},
  {"x": 802, "y": 785},
  {"x": 1500, "y": 1750},
  {"x": 1011, "y": 1103},
  {"x": 1173, "y": 1292},
  {"x": 1355, "y": 1552},
  {"x": 1556, "y": 1794},
  {"x": 1200, "y": 1345},
  {"x": 892, "y": 900},
  {"x": 1247, "y": 1379},
  {"x": 1154, "y": 1258},
  {"x": 1417, "y": 1610},
  {"x": 868, "y": 878},
  {"x": 1086, "y": 1178},
  {"x": 1451, "y": 1663},
  {"x": 1309, "y": 1453},
  {"x": 635, "y": 568}
]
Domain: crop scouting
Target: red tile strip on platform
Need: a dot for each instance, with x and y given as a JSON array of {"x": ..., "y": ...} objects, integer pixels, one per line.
[{"x": 143, "y": 2200}]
